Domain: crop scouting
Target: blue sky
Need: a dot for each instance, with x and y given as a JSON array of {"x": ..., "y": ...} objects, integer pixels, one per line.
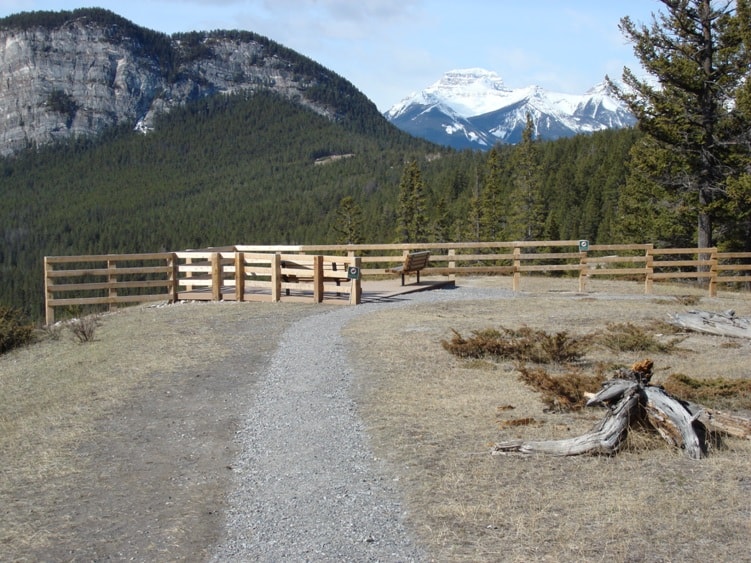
[{"x": 391, "y": 48}]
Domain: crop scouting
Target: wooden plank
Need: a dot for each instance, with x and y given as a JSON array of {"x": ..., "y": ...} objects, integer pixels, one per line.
[
  {"x": 616, "y": 271},
  {"x": 49, "y": 311},
  {"x": 611, "y": 259},
  {"x": 108, "y": 300},
  {"x": 216, "y": 277},
  {"x": 196, "y": 281},
  {"x": 59, "y": 288},
  {"x": 608, "y": 247},
  {"x": 276, "y": 278},
  {"x": 474, "y": 257},
  {"x": 317, "y": 279},
  {"x": 469, "y": 270},
  {"x": 108, "y": 271},
  {"x": 109, "y": 257},
  {"x": 239, "y": 276},
  {"x": 681, "y": 275},
  {"x": 734, "y": 279},
  {"x": 690, "y": 251},
  {"x": 193, "y": 255},
  {"x": 551, "y": 268},
  {"x": 680, "y": 263},
  {"x": 550, "y": 256}
]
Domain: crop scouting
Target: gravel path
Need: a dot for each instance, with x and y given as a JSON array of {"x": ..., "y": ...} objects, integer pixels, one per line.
[{"x": 308, "y": 486}]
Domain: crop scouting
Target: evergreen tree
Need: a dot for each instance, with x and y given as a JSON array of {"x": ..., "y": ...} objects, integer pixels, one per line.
[
  {"x": 442, "y": 224},
  {"x": 348, "y": 226},
  {"x": 696, "y": 52},
  {"x": 647, "y": 210},
  {"x": 737, "y": 232},
  {"x": 411, "y": 221},
  {"x": 526, "y": 219},
  {"x": 492, "y": 203}
]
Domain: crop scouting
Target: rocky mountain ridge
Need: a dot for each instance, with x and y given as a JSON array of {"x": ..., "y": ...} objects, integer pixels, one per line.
[
  {"x": 472, "y": 108},
  {"x": 68, "y": 74}
]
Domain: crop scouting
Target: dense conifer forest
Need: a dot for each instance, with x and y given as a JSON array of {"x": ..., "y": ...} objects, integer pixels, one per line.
[{"x": 253, "y": 170}]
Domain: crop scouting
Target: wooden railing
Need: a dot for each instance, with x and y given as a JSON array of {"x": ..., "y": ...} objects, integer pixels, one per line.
[
  {"x": 112, "y": 279},
  {"x": 321, "y": 273},
  {"x": 116, "y": 279}
]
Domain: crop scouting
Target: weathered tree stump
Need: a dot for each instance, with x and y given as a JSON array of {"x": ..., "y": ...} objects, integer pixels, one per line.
[
  {"x": 629, "y": 399},
  {"x": 720, "y": 324}
]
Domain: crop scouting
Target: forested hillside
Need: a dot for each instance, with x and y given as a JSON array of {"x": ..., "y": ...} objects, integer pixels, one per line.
[{"x": 242, "y": 170}]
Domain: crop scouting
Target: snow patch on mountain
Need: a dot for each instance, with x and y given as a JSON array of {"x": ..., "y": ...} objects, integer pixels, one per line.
[{"x": 474, "y": 108}]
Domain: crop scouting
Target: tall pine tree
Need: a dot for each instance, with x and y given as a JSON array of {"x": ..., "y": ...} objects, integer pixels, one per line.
[
  {"x": 696, "y": 53},
  {"x": 492, "y": 202},
  {"x": 411, "y": 220},
  {"x": 348, "y": 226},
  {"x": 527, "y": 211}
]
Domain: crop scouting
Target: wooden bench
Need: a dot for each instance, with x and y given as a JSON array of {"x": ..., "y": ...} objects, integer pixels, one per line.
[{"x": 413, "y": 263}]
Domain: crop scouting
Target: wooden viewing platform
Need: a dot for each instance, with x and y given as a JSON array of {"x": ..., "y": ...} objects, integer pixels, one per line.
[{"x": 352, "y": 274}]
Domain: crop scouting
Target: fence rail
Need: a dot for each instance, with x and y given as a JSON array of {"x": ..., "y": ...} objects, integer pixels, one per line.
[{"x": 321, "y": 273}]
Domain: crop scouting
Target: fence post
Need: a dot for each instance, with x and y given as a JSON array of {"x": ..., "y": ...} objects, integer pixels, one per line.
[
  {"x": 239, "y": 276},
  {"x": 188, "y": 286},
  {"x": 111, "y": 281},
  {"x": 276, "y": 277},
  {"x": 452, "y": 263},
  {"x": 317, "y": 279},
  {"x": 713, "y": 273},
  {"x": 216, "y": 276},
  {"x": 516, "y": 283},
  {"x": 355, "y": 295},
  {"x": 649, "y": 265},
  {"x": 173, "y": 287},
  {"x": 583, "y": 270},
  {"x": 49, "y": 311}
]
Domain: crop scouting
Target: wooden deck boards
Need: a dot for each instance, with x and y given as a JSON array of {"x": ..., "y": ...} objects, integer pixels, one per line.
[{"x": 372, "y": 291}]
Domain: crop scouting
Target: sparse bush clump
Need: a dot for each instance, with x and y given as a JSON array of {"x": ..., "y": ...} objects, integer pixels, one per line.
[
  {"x": 15, "y": 331},
  {"x": 84, "y": 328},
  {"x": 564, "y": 392},
  {"x": 627, "y": 337},
  {"x": 714, "y": 393},
  {"x": 524, "y": 344}
]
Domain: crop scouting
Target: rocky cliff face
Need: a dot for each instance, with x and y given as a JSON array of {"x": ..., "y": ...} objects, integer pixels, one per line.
[{"x": 83, "y": 74}]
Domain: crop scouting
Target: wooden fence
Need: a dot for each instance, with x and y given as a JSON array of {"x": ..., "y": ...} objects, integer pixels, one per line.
[{"x": 324, "y": 273}]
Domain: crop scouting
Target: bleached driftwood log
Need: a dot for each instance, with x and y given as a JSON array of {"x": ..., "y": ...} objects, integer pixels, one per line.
[
  {"x": 718, "y": 421},
  {"x": 721, "y": 324},
  {"x": 605, "y": 438},
  {"x": 629, "y": 398}
]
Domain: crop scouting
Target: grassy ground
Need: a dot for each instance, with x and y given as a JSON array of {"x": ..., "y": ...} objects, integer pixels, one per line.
[
  {"x": 121, "y": 447},
  {"x": 434, "y": 419}
]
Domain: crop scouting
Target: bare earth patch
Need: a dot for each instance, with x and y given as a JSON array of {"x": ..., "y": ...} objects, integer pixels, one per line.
[{"x": 434, "y": 418}]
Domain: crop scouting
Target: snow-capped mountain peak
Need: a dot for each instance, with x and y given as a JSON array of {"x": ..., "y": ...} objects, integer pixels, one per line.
[{"x": 473, "y": 108}]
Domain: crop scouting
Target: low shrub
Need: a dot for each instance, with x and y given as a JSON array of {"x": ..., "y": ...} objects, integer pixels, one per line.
[
  {"x": 562, "y": 392},
  {"x": 524, "y": 344},
  {"x": 15, "y": 331},
  {"x": 84, "y": 328},
  {"x": 713, "y": 393},
  {"x": 627, "y": 337}
]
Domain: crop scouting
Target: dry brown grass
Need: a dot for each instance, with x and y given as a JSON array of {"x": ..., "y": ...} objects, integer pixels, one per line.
[
  {"x": 118, "y": 447},
  {"x": 112, "y": 447},
  {"x": 434, "y": 417}
]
